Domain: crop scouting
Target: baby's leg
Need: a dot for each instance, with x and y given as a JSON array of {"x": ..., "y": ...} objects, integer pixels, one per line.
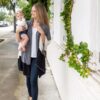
[{"x": 21, "y": 47}]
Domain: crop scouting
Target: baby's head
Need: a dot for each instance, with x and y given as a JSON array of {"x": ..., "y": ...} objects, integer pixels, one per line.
[{"x": 19, "y": 15}]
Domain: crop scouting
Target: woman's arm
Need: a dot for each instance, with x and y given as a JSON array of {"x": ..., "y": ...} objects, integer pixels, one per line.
[
  {"x": 18, "y": 30},
  {"x": 40, "y": 30},
  {"x": 17, "y": 36}
]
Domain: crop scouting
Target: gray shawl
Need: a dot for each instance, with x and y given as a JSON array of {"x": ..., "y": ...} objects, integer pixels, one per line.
[{"x": 26, "y": 56}]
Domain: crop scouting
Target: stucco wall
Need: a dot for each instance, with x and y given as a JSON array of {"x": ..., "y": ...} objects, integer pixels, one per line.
[{"x": 84, "y": 27}]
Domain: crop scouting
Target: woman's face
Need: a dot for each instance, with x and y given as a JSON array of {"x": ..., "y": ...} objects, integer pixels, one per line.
[{"x": 33, "y": 12}]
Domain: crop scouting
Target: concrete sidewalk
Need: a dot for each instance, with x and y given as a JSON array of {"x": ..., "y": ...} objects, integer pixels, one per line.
[{"x": 12, "y": 82}]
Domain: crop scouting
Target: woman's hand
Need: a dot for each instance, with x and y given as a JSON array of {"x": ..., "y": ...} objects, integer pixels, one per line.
[{"x": 40, "y": 30}]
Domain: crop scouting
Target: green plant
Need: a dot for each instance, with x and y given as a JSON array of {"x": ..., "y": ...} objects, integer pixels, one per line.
[
  {"x": 22, "y": 3},
  {"x": 2, "y": 15},
  {"x": 27, "y": 9},
  {"x": 9, "y": 19},
  {"x": 27, "y": 12},
  {"x": 78, "y": 54}
]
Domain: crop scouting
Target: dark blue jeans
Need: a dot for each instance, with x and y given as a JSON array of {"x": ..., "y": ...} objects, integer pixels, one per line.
[{"x": 32, "y": 81}]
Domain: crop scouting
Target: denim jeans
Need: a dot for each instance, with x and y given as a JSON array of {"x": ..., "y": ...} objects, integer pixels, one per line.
[{"x": 32, "y": 81}]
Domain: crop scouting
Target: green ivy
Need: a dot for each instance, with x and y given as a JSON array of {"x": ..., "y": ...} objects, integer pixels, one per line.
[
  {"x": 27, "y": 9},
  {"x": 78, "y": 54}
]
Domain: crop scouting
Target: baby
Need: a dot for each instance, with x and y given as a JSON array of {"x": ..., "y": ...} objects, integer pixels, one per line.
[{"x": 21, "y": 23}]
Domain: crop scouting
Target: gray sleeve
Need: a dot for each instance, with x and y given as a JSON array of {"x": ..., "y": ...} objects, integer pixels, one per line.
[{"x": 47, "y": 32}]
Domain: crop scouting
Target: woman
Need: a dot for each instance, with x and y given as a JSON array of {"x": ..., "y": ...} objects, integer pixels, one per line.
[{"x": 38, "y": 27}]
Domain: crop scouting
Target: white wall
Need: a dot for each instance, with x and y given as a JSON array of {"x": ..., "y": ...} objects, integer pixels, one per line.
[
  {"x": 81, "y": 21},
  {"x": 58, "y": 68},
  {"x": 70, "y": 85},
  {"x": 95, "y": 31},
  {"x": 85, "y": 25},
  {"x": 58, "y": 24},
  {"x": 93, "y": 23},
  {"x": 57, "y": 9},
  {"x": 98, "y": 25}
]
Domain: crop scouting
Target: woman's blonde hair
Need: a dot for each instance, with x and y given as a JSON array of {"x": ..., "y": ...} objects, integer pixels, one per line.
[{"x": 41, "y": 14}]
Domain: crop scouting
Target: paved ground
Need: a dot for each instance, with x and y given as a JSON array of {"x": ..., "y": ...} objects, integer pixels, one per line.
[
  {"x": 8, "y": 72},
  {"x": 12, "y": 82},
  {"x": 5, "y": 30}
]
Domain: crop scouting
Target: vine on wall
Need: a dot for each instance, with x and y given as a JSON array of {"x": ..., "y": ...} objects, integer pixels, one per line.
[{"x": 78, "y": 54}]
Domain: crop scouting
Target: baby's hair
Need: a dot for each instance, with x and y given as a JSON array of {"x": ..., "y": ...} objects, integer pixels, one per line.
[{"x": 20, "y": 11}]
